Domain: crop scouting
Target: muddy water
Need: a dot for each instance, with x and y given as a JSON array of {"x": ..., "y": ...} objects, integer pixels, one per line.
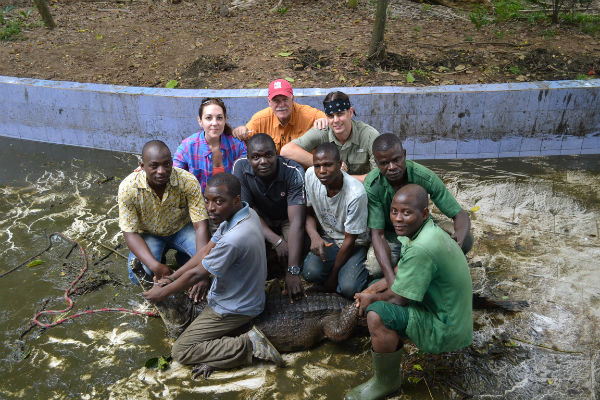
[{"x": 536, "y": 224}]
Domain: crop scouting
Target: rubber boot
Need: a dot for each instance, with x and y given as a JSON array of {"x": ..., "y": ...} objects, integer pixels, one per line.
[{"x": 386, "y": 378}]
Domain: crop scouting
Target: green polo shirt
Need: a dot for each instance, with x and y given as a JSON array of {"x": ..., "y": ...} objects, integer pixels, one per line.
[
  {"x": 381, "y": 193},
  {"x": 357, "y": 152},
  {"x": 433, "y": 274}
]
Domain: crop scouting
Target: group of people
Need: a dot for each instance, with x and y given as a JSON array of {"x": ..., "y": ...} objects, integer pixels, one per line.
[{"x": 327, "y": 197}]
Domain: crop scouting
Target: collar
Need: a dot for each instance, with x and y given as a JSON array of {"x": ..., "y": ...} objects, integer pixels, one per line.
[
  {"x": 237, "y": 217},
  {"x": 292, "y": 122},
  {"x": 204, "y": 149},
  {"x": 405, "y": 240}
]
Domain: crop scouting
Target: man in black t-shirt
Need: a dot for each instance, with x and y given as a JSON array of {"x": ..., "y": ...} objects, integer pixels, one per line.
[{"x": 274, "y": 187}]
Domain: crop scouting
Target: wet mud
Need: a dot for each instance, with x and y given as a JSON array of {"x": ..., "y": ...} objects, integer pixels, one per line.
[{"x": 535, "y": 221}]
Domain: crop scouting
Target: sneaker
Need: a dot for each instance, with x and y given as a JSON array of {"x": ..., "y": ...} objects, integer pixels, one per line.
[{"x": 262, "y": 348}]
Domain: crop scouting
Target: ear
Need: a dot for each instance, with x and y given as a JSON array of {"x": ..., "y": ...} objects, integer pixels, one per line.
[
  {"x": 351, "y": 112},
  {"x": 425, "y": 213},
  {"x": 200, "y": 122},
  {"x": 237, "y": 200}
]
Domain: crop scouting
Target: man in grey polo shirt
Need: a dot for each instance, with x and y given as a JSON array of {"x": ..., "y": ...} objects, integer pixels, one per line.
[
  {"x": 235, "y": 256},
  {"x": 354, "y": 139},
  {"x": 274, "y": 187}
]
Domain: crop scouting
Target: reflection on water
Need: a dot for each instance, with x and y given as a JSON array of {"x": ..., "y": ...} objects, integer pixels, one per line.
[{"x": 536, "y": 226}]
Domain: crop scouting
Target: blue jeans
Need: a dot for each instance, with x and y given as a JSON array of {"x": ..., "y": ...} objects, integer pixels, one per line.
[
  {"x": 183, "y": 241},
  {"x": 352, "y": 277}
]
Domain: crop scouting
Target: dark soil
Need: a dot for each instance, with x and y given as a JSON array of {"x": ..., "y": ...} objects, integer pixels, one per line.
[{"x": 242, "y": 44}]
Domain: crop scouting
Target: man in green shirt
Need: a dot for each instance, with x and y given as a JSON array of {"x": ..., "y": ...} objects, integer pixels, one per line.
[
  {"x": 430, "y": 301},
  {"x": 354, "y": 139},
  {"x": 395, "y": 171}
]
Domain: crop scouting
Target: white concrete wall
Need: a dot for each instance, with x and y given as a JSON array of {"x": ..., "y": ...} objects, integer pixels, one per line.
[{"x": 470, "y": 121}]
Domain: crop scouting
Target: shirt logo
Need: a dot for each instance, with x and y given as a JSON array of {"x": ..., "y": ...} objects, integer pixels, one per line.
[
  {"x": 282, "y": 194},
  {"x": 277, "y": 85}
]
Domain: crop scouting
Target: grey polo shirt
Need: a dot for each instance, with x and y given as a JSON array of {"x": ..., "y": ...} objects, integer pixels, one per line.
[
  {"x": 271, "y": 202},
  {"x": 239, "y": 265},
  {"x": 357, "y": 152}
]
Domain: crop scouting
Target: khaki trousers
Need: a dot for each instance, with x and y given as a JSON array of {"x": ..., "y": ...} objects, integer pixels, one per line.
[{"x": 215, "y": 340}]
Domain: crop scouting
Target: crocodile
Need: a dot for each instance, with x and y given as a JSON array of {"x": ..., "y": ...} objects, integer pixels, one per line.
[{"x": 289, "y": 326}]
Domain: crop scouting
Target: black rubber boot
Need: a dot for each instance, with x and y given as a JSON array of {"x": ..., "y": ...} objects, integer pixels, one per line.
[{"x": 386, "y": 378}]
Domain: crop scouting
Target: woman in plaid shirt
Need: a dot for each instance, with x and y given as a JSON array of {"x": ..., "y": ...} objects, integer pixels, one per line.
[{"x": 212, "y": 150}]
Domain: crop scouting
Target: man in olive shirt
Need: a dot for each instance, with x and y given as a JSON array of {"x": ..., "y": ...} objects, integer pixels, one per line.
[
  {"x": 354, "y": 139},
  {"x": 430, "y": 301},
  {"x": 395, "y": 171}
]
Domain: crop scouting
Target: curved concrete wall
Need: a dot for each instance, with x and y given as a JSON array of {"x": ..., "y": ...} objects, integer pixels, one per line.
[{"x": 470, "y": 121}]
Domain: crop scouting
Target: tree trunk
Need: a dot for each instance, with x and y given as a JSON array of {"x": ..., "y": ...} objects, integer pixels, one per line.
[
  {"x": 44, "y": 11},
  {"x": 377, "y": 48}
]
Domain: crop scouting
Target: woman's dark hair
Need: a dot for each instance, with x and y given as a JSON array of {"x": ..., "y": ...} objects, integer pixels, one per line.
[{"x": 218, "y": 102}]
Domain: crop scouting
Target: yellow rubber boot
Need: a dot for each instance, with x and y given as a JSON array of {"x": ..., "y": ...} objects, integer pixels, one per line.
[{"x": 386, "y": 378}]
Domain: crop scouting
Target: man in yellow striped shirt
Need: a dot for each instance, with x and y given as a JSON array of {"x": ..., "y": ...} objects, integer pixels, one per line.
[{"x": 161, "y": 208}]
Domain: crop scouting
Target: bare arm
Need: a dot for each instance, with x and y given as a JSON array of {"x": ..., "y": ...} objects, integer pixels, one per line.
[
  {"x": 383, "y": 254},
  {"x": 140, "y": 249},
  {"x": 462, "y": 225},
  {"x": 195, "y": 261},
  {"x": 298, "y": 154},
  {"x": 185, "y": 281},
  {"x": 342, "y": 256},
  {"x": 202, "y": 235},
  {"x": 366, "y": 299},
  {"x": 297, "y": 218}
]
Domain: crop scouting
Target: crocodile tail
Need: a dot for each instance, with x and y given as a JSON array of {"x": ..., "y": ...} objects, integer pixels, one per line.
[{"x": 339, "y": 327}]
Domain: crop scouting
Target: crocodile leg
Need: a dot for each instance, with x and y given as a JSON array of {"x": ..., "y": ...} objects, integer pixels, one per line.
[{"x": 339, "y": 327}]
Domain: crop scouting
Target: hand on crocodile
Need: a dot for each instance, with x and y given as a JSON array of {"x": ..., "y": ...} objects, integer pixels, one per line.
[
  {"x": 154, "y": 295},
  {"x": 363, "y": 300},
  {"x": 199, "y": 291},
  {"x": 202, "y": 370},
  {"x": 293, "y": 287},
  {"x": 318, "y": 247}
]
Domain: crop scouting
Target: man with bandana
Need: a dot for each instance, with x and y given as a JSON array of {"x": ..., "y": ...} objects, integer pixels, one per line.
[
  {"x": 354, "y": 139},
  {"x": 284, "y": 119}
]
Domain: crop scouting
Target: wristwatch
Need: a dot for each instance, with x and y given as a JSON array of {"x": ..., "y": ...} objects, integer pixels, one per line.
[{"x": 294, "y": 270}]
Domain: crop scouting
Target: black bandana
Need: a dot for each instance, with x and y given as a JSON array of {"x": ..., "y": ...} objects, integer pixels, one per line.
[{"x": 336, "y": 106}]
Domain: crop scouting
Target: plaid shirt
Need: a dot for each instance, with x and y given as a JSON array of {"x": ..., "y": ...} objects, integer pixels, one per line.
[{"x": 194, "y": 155}]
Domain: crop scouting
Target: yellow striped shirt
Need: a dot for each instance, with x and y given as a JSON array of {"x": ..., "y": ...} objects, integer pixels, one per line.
[{"x": 141, "y": 211}]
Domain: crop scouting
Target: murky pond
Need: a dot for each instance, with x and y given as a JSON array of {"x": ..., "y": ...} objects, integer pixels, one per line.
[{"x": 536, "y": 226}]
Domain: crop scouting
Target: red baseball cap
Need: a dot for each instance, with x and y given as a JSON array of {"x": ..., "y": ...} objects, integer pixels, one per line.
[{"x": 280, "y": 86}]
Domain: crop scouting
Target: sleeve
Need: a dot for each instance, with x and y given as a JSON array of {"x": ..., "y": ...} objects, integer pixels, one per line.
[
  {"x": 308, "y": 176},
  {"x": 376, "y": 218},
  {"x": 440, "y": 195},
  {"x": 128, "y": 215},
  {"x": 296, "y": 192},
  {"x": 241, "y": 150},
  {"x": 370, "y": 150},
  {"x": 238, "y": 172},
  {"x": 415, "y": 271},
  {"x": 356, "y": 215},
  {"x": 311, "y": 139},
  {"x": 179, "y": 158},
  {"x": 220, "y": 258},
  {"x": 194, "y": 197},
  {"x": 319, "y": 114}
]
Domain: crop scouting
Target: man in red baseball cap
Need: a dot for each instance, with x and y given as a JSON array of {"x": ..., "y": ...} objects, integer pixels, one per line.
[{"x": 284, "y": 120}]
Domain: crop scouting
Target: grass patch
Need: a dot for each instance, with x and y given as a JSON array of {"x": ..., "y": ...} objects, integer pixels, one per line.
[{"x": 11, "y": 24}]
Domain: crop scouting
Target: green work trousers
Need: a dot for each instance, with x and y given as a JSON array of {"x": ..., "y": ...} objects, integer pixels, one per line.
[{"x": 214, "y": 339}]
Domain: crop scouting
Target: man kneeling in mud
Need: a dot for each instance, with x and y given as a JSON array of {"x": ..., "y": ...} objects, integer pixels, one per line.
[{"x": 236, "y": 257}]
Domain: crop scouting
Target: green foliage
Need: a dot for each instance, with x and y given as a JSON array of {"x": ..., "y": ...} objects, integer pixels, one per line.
[
  {"x": 172, "y": 84},
  {"x": 507, "y": 10},
  {"x": 549, "y": 33},
  {"x": 11, "y": 25},
  {"x": 34, "y": 263},
  {"x": 514, "y": 69},
  {"x": 582, "y": 77},
  {"x": 161, "y": 363},
  {"x": 417, "y": 29},
  {"x": 479, "y": 17},
  {"x": 410, "y": 78},
  {"x": 588, "y": 23},
  {"x": 352, "y": 4},
  {"x": 283, "y": 10},
  {"x": 426, "y": 7}
]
